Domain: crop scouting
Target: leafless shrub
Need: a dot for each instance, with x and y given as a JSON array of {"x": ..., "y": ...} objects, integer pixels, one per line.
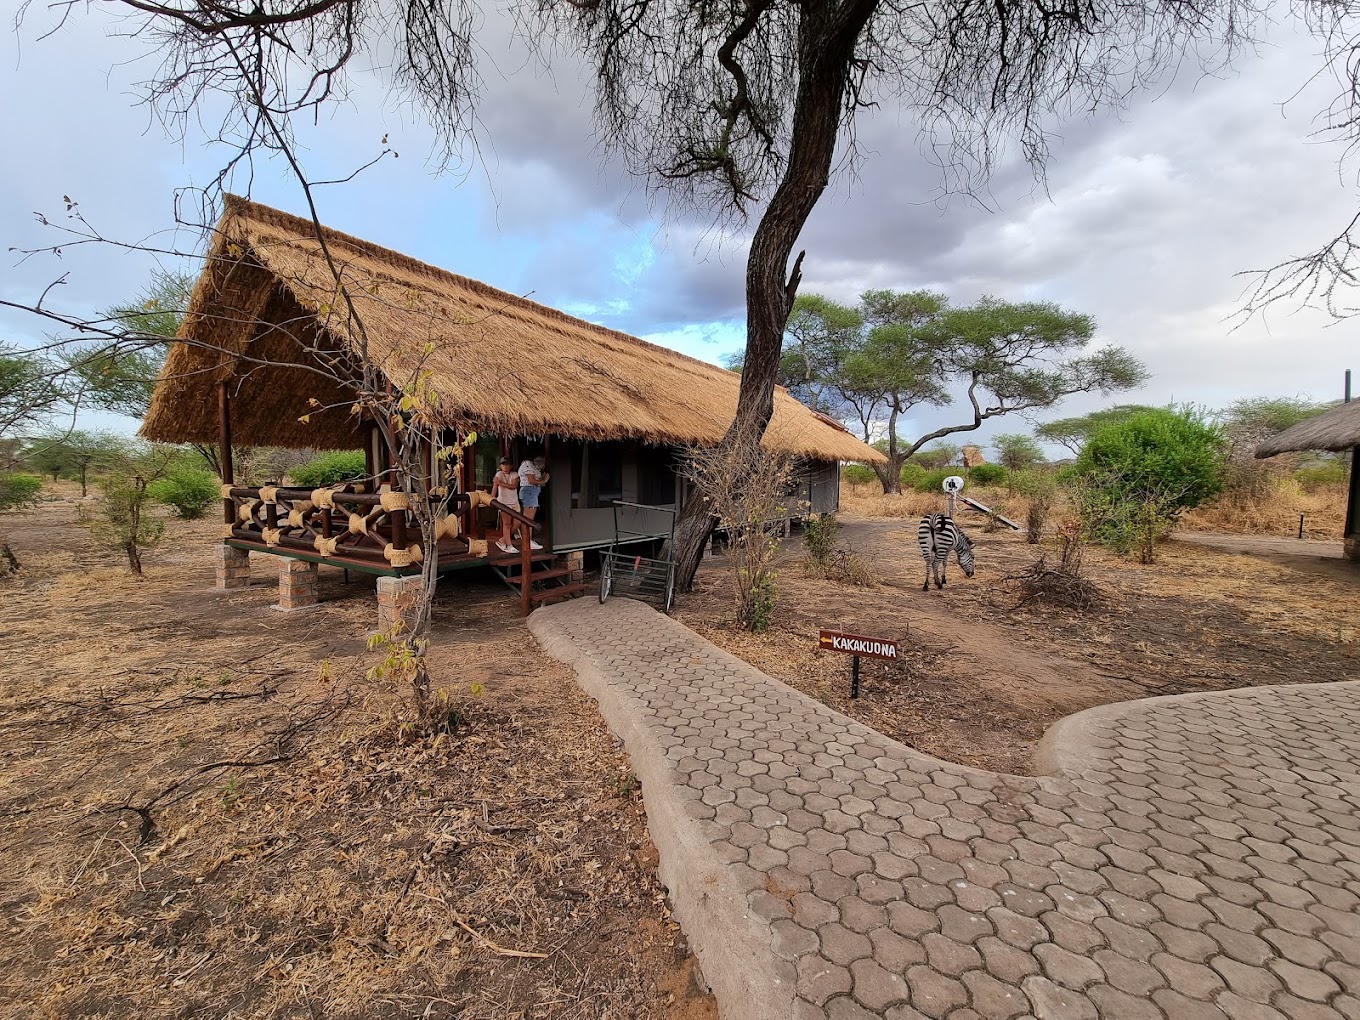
[
  {"x": 745, "y": 487},
  {"x": 1060, "y": 584}
]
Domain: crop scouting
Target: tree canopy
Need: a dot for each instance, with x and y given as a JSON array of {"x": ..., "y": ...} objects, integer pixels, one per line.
[
  {"x": 120, "y": 374},
  {"x": 1072, "y": 433},
  {"x": 911, "y": 348}
]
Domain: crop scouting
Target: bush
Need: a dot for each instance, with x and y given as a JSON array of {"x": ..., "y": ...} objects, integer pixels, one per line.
[
  {"x": 18, "y": 490},
  {"x": 1040, "y": 487},
  {"x": 933, "y": 481},
  {"x": 330, "y": 469},
  {"x": 187, "y": 491},
  {"x": 858, "y": 474},
  {"x": 819, "y": 538},
  {"x": 988, "y": 474},
  {"x": 911, "y": 473},
  {"x": 1141, "y": 473},
  {"x": 1316, "y": 475}
]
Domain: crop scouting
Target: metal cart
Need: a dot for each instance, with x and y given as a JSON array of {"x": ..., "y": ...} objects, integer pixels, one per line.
[{"x": 641, "y": 577}]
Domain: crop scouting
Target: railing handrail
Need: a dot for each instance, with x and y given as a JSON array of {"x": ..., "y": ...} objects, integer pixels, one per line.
[{"x": 516, "y": 515}]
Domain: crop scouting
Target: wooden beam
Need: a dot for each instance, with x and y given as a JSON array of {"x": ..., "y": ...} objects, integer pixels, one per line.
[{"x": 224, "y": 448}]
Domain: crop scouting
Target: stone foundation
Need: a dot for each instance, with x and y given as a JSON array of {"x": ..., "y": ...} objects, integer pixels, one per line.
[
  {"x": 1353, "y": 548},
  {"x": 573, "y": 561},
  {"x": 397, "y": 597},
  {"x": 297, "y": 584},
  {"x": 233, "y": 567}
]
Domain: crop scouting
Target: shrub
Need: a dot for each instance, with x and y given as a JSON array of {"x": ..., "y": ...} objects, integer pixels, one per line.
[
  {"x": 330, "y": 468},
  {"x": 1141, "y": 473},
  {"x": 1320, "y": 473},
  {"x": 933, "y": 481},
  {"x": 18, "y": 490},
  {"x": 1040, "y": 487},
  {"x": 858, "y": 474},
  {"x": 988, "y": 474},
  {"x": 187, "y": 491},
  {"x": 911, "y": 473},
  {"x": 819, "y": 538}
]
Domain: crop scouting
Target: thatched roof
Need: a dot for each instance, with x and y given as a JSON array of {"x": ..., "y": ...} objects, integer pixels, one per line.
[
  {"x": 1337, "y": 429},
  {"x": 267, "y": 303}
]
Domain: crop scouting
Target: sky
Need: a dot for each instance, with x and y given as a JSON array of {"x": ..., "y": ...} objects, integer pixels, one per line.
[{"x": 1144, "y": 221}]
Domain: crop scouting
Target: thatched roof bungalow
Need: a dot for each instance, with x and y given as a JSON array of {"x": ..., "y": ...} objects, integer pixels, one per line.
[
  {"x": 502, "y": 363},
  {"x": 607, "y": 409},
  {"x": 1336, "y": 430}
]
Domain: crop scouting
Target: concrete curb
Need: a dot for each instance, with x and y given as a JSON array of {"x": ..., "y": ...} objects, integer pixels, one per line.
[{"x": 734, "y": 949}]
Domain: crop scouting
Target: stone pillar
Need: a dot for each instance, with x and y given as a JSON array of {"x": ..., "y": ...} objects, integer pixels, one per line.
[
  {"x": 573, "y": 561},
  {"x": 397, "y": 597},
  {"x": 297, "y": 584},
  {"x": 233, "y": 567}
]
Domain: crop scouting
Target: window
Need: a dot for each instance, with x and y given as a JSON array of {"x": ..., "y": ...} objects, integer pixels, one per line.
[
  {"x": 596, "y": 474},
  {"x": 656, "y": 466},
  {"x": 485, "y": 455},
  {"x": 606, "y": 469}
]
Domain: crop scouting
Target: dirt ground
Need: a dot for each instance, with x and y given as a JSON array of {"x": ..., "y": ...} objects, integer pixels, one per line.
[
  {"x": 982, "y": 679},
  {"x": 206, "y": 810}
]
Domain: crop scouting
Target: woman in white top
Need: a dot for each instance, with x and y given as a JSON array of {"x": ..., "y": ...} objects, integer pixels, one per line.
[
  {"x": 505, "y": 489},
  {"x": 532, "y": 478}
]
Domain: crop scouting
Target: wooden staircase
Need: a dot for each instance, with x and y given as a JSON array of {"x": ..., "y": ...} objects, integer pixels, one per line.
[{"x": 547, "y": 583}]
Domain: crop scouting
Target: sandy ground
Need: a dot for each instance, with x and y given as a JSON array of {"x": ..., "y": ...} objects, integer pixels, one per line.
[
  {"x": 982, "y": 678},
  {"x": 209, "y": 808}
]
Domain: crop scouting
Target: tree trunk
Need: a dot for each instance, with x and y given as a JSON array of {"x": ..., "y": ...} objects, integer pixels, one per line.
[
  {"x": 84, "y": 470},
  {"x": 8, "y": 560},
  {"x": 891, "y": 473},
  {"x": 826, "y": 42},
  {"x": 134, "y": 556}
]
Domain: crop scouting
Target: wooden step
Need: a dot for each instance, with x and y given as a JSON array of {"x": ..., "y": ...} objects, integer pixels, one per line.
[
  {"x": 547, "y": 575},
  {"x": 500, "y": 559},
  {"x": 563, "y": 591}
]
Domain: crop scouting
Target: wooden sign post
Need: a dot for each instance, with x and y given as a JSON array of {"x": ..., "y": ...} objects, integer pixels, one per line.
[{"x": 857, "y": 645}]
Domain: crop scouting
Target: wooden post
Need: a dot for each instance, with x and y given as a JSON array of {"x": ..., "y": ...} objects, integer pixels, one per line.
[
  {"x": 224, "y": 449},
  {"x": 526, "y": 567},
  {"x": 398, "y": 520}
]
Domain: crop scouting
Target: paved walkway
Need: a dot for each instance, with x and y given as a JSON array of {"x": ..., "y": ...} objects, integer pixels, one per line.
[{"x": 1199, "y": 857}]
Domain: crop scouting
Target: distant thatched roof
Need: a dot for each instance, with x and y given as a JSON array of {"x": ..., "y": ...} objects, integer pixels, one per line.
[
  {"x": 1337, "y": 429},
  {"x": 495, "y": 361}
]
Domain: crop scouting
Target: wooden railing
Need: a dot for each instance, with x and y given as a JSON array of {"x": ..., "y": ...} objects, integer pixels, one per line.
[
  {"x": 342, "y": 523},
  {"x": 526, "y": 553}
]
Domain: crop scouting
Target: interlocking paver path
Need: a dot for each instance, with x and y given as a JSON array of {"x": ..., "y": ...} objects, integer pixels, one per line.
[{"x": 1198, "y": 857}]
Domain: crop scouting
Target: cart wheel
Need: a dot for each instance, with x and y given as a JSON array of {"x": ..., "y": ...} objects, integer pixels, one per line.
[
  {"x": 606, "y": 578},
  {"x": 670, "y": 589}
]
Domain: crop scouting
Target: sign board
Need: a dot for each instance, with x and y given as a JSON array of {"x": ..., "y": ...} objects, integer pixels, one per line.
[
  {"x": 953, "y": 484},
  {"x": 858, "y": 644}
]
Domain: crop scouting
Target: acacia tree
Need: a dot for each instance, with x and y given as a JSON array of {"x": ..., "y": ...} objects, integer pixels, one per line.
[
  {"x": 895, "y": 367},
  {"x": 30, "y": 390},
  {"x": 1015, "y": 358},
  {"x": 120, "y": 375}
]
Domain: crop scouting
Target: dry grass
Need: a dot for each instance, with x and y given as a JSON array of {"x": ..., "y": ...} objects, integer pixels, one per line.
[
  {"x": 1323, "y": 510},
  {"x": 299, "y": 860}
]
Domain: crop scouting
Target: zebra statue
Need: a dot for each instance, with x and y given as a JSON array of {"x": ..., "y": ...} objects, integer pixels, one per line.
[{"x": 939, "y": 536}]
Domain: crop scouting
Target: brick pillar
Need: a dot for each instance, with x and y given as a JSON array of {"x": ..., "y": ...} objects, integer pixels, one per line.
[
  {"x": 396, "y": 597},
  {"x": 233, "y": 567},
  {"x": 573, "y": 561},
  {"x": 297, "y": 584}
]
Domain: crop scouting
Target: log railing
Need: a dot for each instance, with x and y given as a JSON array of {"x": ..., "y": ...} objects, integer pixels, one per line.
[
  {"x": 526, "y": 553},
  {"x": 342, "y": 523}
]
